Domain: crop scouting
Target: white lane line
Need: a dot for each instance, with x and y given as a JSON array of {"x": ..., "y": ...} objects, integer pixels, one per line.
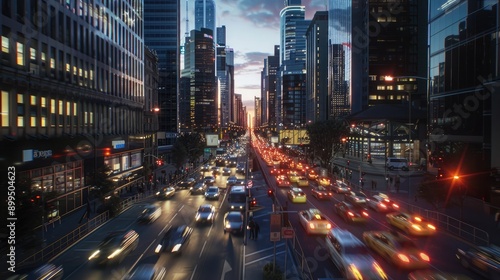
[
  {"x": 263, "y": 250},
  {"x": 194, "y": 270},
  {"x": 202, "y": 248}
]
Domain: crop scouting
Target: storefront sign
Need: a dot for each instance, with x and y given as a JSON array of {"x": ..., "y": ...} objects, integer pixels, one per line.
[
  {"x": 118, "y": 144},
  {"x": 30, "y": 155}
]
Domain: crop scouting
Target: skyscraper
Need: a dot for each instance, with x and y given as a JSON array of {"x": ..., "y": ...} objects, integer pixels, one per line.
[
  {"x": 162, "y": 34},
  {"x": 204, "y": 14}
]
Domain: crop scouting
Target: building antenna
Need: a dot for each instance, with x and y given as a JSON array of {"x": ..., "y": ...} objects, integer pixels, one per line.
[{"x": 186, "y": 34}]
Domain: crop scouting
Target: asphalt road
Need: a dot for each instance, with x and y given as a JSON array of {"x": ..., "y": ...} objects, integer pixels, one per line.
[
  {"x": 210, "y": 254},
  {"x": 441, "y": 247}
]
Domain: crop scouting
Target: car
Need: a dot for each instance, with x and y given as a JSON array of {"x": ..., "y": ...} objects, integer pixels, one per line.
[
  {"x": 314, "y": 222},
  {"x": 311, "y": 174},
  {"x": 351, "y": 212},
  {"x": 351, "y": 256},
  {"x": 484, "y": 260},
  {"x": 186, "y": 184},
  {"x": 302, "y": 182},
  {"x": 147, "y": 272},
  {"x": 354, "y": 197},
  {"x": 320, "y": 192},
  {"x": 340, "y": 187},
  {"x": 241, "y": 168},
  {"x": 198, "y": 188},
  {"x": 205, "y": 214},
  {"x": 212, "y": 193},
  {"x": 296, "y": 195},
  {"x": 324, "y": 181},
  {"x": 209, "y": 180},
  {"x": 115, "y": 247},
  {"x": 231, "y": 180},
  {"x": 150, "y": 213},
  {"x": 175, "y": 239},
  {"x": 205, "y": 167},
  {"x": 381, "y": 203},
  {"x": 232, "y": 161},
  {"x": 397, "y": 249},
  {"x": 293, "y": 176},
  {"x": 226, "y": 171},
  {"x": 233, "y": 222},
  {"x": 165, "y": 192},
  {"x": 215, "y": 170},
  {"x": 276, "y": 171},
  {"x": 411, "y": 224},
  {"x": 282, "y": 181},
  {"x": 220, "y": 161},
  {"x": 397, "y": 163}
]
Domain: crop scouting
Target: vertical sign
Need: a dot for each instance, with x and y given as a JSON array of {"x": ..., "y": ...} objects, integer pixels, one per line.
[{"x": 275, "y": 228}]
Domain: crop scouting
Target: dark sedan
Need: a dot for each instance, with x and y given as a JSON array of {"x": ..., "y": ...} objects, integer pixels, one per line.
[
  {"x": 205, "y": 214},
  {"x": 233, "y": 222},
  {"x": 354, "y": 197},
  {"x": 321, "y": 192},
  {"x": 165, "y": 192},
  {"x": 198, "y": 188},
  {"x": 186, "y": 184},
  {"x": 484, "y": 260},
  {"x": 351, "y": 212},
  {"x": 175, "y": 239}
]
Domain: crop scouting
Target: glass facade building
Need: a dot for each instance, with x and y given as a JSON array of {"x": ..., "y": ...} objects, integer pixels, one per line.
[{"x": 464, "y": 71}]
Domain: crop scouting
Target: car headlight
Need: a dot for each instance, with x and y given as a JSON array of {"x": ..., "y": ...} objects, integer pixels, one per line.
[
  {"x": 176, "y": 248},
  {"x": 158, "y": 248},
  {"x": 210, "y": 216},
  {"x": 95, "y": 254},
  {"x": 115, "y": 253},
  {"x": 416, "y": 227},
  {"x": 157, "y": 193},
  {"x": 228, "y": 225},
  {"x": 197, "y": 217}
]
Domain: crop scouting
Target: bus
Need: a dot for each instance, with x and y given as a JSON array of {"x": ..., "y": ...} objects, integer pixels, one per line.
[{"x": 237, "y": 198}]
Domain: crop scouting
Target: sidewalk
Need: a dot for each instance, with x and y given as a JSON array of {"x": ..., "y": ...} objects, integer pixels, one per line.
[{"x": 475, "y": 212}]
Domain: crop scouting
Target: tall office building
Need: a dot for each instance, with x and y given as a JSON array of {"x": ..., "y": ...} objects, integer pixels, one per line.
[
  {"x": 72, "y": 96},
  {"x": 291, "y": 78},
  {"x": 464, "y": 107},
  {"x": 223, "y": 61},
  {"x": 271, "y": 67},
  {"x": 199, "y": 95},
  {"x": 162, "y": 34},
  {"x": 257, "y": 112},
  {"x": 204, "y": 14},
  {"x": 317, "y": 95}
]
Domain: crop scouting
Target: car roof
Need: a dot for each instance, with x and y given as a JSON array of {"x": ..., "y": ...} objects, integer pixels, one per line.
[{"x": 345, "y": 237}]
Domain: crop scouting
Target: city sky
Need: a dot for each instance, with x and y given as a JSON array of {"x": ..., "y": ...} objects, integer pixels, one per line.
[{"x": 252, "y": 30}]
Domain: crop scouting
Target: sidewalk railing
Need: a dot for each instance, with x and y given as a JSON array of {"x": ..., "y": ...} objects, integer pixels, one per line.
[
  {"x": 452, "y": 225},
  {"x": 56, "y": 247}
]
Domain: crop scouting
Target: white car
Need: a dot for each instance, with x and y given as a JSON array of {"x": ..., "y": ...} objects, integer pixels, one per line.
[
  {"x": 314, "y": 222},
  {"x": 381, "y": 203}
]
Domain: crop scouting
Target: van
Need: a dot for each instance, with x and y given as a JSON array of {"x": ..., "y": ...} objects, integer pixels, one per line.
[{"x": 397, "y": 163}]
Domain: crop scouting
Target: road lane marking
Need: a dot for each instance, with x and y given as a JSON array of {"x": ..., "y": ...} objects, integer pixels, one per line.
[
  {"x": 202, "y": 248},
  {"x": 263, "y": 258},
  {"x": 263, "y": 250},
  {"x": 192, "y": 274}
]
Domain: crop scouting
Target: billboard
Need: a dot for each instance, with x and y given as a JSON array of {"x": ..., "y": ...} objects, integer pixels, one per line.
[
  {"x": 294, "y": 137},
  {"x": 212, "y": 140}
]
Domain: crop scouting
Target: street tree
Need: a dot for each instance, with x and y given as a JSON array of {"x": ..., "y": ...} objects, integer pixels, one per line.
[
  {"x": 179, "y": 154},
  {"x": 325, "y": 139}
]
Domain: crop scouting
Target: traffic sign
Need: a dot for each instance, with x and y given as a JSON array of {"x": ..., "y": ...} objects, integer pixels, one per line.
[
  {"x": 249, "y": 183},
  {"x": 287, "y": 232},
  {"x": 275, "y": 236}
]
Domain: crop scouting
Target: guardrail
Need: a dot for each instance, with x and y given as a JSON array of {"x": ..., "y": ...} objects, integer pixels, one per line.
[
  {"x": 452, "y": 225},
  {"x": 297, "y": 251},
  {"x": 58, "y": 246}
]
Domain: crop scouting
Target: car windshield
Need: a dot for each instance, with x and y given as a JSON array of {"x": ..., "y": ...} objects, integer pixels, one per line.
[
  {"x": 204, "y": 209},
  {"x": 406, "y": 244},
  {"x": 356, "y": 250},
  {"x": 234, "y": 218},
  {"x": 213, "y": 190}
]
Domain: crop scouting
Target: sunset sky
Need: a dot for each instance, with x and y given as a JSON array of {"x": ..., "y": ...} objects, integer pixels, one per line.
[{"x": 252, "y": 30}]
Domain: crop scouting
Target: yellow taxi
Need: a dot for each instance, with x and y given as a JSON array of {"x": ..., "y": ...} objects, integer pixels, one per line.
[
  {"x": 296, "y": 195},
  {"x": 411, "y": 224},
  {"x": 397, "y": 249},
  {"x": 312, "y": 174},
  {"x": 302, "y": 182},
  {"x": 293, "y": 177},
  {"x": 314, "y": 222},
  {"x": 324, "y": 181}
]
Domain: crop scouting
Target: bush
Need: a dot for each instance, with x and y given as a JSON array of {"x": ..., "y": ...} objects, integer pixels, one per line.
[{"x": 269, "y": 275}]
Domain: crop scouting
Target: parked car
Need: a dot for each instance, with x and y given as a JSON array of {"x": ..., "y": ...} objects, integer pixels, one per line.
[
  {"x": 115, "y": 247},
  {"x": 175, "y": 239},
  {"x": 150, "y": 213}
]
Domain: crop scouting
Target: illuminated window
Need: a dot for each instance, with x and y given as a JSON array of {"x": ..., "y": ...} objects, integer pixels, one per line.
[
  {"x": 20, "y": 54},
  {"x": 68, "y": 67},
  {"x": 91, "y": 74},
  {"x": 52, "y": 106},
  {"x": 20, "y": 98},
  {"x": 61, "y": 107},
  {"x": 43, "y": 121},
  {"x": 33, "y": 121},
  {"x": 5, "y": 44},
  {"x": 53, "y": 63},
  {"x": 20, "y": 121},
  {"x": 32, "y": 54},
  {"x": 390, "y": 87},
  {"x": 74, "y": 109},
  {"x": 33, "y": 100},
  {"x": 43, "y": 57},
  {"x": 5, "y": 109},
  {"x": 380, "y": 87},
  {"x": 400, "y": 87}
]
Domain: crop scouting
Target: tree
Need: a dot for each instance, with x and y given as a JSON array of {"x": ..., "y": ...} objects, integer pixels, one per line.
[
  {"x": 101, "y": 182},
  {"x": 179, "y": 154},
  {"x": 188, "y": 146},
  {"x": 325, "y": 138}
]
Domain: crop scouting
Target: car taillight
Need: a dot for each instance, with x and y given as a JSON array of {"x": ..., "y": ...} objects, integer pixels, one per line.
[
  {"x": 311, "y": 225},
  {"x": 395, "y": 205},
  {"x": 424, "y": 257},
  {"x": 328, "y": 226},
  {"x": 383, "y": 205},
  {"x": 365, "y": 214},
  {"x": 350, "y": 214},
  {"x": 403, "y": 258}
]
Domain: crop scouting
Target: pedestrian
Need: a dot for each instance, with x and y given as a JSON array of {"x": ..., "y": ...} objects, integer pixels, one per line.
[
  {"x": 497, "y": 218},
  {"x": 257, "y": 229},
  {"x": 251, "y": 227}
]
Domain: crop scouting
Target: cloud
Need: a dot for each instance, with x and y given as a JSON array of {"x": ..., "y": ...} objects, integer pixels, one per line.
[{"x": 250, "y": 62}]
